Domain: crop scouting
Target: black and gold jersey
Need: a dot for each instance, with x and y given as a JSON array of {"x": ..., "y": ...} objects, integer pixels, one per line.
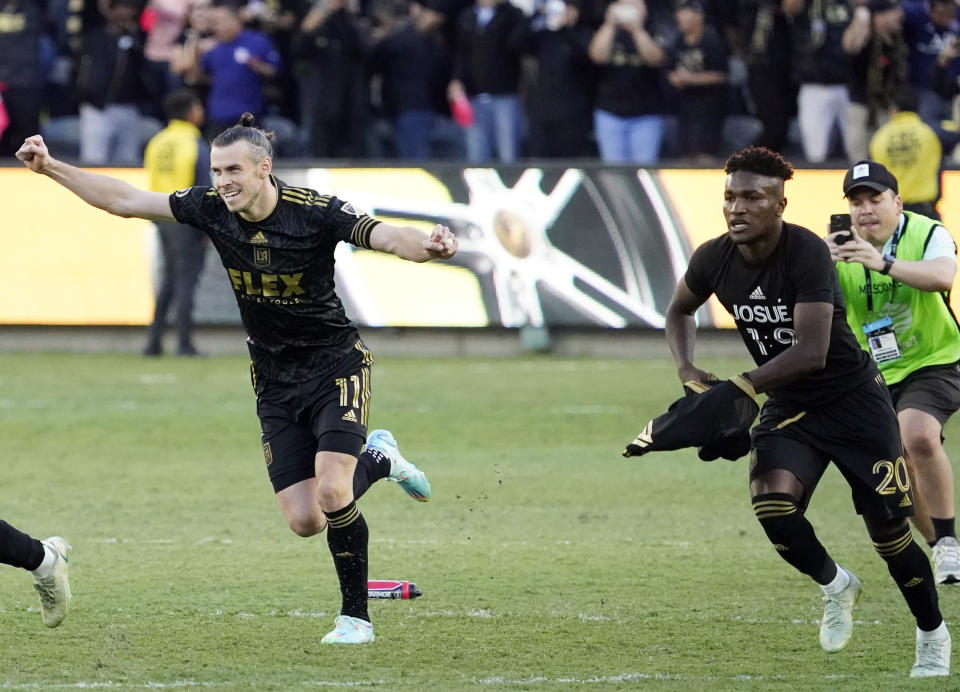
[
  {"x": 282, "y": 273},
  {"x": 761, "y": 297}
]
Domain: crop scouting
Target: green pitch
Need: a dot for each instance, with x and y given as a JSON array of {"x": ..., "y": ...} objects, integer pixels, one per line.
[{"x": 547, "y": 561}]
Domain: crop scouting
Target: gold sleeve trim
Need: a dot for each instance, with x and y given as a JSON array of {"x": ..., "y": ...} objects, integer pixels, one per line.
[{"x": 360, "y": 233}]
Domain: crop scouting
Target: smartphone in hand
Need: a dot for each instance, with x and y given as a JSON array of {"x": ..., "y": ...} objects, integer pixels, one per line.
[{"x": 840, "y": 223}]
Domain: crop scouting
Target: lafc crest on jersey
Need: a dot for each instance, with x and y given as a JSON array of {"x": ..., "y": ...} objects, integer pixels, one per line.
[{"x": 348, "y": 208}]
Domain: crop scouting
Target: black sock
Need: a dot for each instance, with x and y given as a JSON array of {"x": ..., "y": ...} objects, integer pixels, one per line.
[
  {"x": 18, "y": 549},
  {"x": 943, "y": 527},
  {"x": 910, "y": 569},
  {"x": 347, "y": 538},
  {"x": 372, "y": 465},
  {"x": 793, "y": 536}
]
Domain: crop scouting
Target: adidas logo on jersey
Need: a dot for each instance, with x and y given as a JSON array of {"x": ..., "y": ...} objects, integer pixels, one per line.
[
  {"x": 905, "y": 502},
  {"x": 757, "y": 294},
  {"x": 259, "y": 238},
  {"x": 349, "y": 416}
]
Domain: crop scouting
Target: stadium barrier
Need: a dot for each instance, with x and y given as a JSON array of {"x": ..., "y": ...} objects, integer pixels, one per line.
[{"x": 552, "y": 246}]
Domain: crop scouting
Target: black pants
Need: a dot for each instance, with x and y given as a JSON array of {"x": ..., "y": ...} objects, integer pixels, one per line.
[
  {"x": 23, "y": 105},
  {"x": 775, "y": 99},
  {"x": 183, "y": 249}
]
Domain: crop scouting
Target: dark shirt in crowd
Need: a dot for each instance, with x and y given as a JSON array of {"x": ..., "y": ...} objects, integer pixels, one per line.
[
  {"x": 415, "y": 69},
  {"x": 627, "y": 86},
  {"x": 112, "y": 68},
  {"x": 558, "y": 126},
  {"x": 819, "y": 57},
  {"x": 488, "y": 51}
]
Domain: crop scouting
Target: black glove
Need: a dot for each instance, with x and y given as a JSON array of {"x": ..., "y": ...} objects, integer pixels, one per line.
[{"x": 715, "y": 416}]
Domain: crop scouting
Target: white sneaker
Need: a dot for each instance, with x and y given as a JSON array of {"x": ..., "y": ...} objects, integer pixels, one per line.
[
  {"x": 933, "y": 657},
  {"x": 55, "y": 590},
  {"x": 837, "y": 624},
  {"x": 946, "y": 561},
  {"x": 349, "y": 630}
]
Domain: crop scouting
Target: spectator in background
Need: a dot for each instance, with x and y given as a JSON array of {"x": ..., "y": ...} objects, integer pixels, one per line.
[
  {"x": 21, "y": 74},
  {"x": 927, "y": 26},
  {"x": 414, "y": 63},
  {"x": 911, "y": 151},
  {"x": 768, "y": 54},
  {"x": 113, "y": 81},
  {"x": 195, "y": 40},
  {"x": 699, "y": 74},
  {"x": 878, "y": 69},
  {"x": 164, "y": 21},
  {"x": 176, "y": 158},
  {"x": 560, "y": 42},
  {"x": 279, "y": 20},
  {"x": 329, "y": 72},
  {"x": 628, "y": 119},
  {"x": 822, "y": 70},
  {"x": 275, "y": 18},
  {"x": 236, "y": 65},
  {"x": 946, "y": 81},
  {"x": 487, "y": 71}
]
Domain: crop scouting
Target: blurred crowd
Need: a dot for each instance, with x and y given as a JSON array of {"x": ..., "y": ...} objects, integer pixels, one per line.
[{"x": 638, "y": 81}]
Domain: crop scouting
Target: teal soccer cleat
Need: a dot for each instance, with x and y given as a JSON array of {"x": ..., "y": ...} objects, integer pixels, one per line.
[{"x": 409, "y": 477}]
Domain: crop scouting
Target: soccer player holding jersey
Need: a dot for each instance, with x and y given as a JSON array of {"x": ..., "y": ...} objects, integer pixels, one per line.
[
  {"x": 310, "y": 369},
  {"x": 826, "y": 399}
]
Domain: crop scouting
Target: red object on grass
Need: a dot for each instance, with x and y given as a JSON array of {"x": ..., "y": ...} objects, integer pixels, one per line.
[{"x": 389, "y": 588}]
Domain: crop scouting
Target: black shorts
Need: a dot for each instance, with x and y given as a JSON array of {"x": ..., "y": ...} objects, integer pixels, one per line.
[
  {"x": 325, "y": 414},
  {"x": 858, "y": 432},
  {"x": 934, "y": 390}
]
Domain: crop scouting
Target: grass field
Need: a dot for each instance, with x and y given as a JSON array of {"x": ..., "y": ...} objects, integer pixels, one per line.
[{"x": 546, "y": 559}]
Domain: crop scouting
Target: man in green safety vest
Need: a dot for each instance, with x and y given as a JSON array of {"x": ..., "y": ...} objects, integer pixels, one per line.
[{"x": 896, "y": 270}]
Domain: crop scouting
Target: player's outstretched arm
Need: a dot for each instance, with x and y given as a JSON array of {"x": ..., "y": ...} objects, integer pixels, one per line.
[
  {"x": 411, "y": 244},
  {"x": 110, "y": 194}
]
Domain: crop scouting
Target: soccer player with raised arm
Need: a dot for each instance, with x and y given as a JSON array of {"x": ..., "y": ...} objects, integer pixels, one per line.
[
  {"x": 826, "y": 399},
  {"x": 310, "y": 369}
]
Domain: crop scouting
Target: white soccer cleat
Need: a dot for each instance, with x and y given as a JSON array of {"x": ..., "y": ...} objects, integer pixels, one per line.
[
  {"x": 349, "y": 630},
  {"x": 55, "y": 590},
  {"x": 837, "y": 624},
  {"x": 946, "y": 561},
  {"x": 933, "y": 657},
  {"x": 413, "y": 481}
]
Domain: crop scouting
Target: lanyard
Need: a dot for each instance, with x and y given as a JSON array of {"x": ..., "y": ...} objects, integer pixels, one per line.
[{"x": 893, "y": 251}]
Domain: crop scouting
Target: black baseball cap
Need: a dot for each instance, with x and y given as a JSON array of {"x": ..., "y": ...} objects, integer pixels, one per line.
[
  {"x": 883, "y": 5},
  {"x": 689, "y": 5},
  {"x": 869, "y": 174}
]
